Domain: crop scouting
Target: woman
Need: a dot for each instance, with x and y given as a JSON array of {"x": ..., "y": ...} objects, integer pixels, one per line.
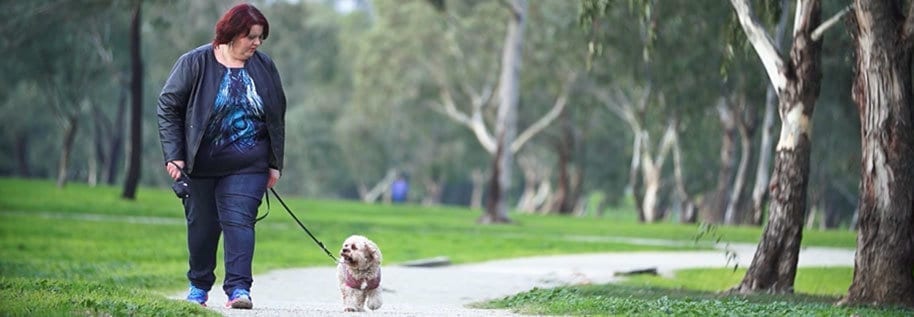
[{"x": 221, "y": 121}]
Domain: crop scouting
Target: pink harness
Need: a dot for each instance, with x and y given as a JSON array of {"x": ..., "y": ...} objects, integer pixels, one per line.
[{"x": 363, "y": 284}]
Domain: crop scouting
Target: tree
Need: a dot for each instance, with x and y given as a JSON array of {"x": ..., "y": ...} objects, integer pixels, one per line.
[
  {"x": 501, "y": 140},
  {"x": 136, "y": 106},
  {"x": 883, "y": 94},
  {"x": 506, "y": 121},
  {"x": 796, "y": 81},
  {"x": 646, "y": 78}
]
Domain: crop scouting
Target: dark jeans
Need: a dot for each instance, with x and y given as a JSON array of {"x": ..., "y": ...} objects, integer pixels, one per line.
[{"x": 226, "y": 205}]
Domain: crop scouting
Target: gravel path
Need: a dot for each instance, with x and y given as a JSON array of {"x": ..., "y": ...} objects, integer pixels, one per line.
[{"x": 444, "y": 291}]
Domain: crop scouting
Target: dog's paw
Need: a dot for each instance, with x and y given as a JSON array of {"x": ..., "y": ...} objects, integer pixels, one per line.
[
  {"x": 373, "y": 302},
  {"x": 351, "y": 309}
]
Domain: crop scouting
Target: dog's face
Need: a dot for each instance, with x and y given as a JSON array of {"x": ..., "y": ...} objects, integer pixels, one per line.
[{"x": 358, "y": 251}]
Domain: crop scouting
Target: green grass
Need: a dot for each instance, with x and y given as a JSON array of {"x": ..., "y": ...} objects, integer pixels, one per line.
[
  {"x": 831, "y": 281},
  {"x": 56, "y": 242},
  {"x": 54, "y": 297},
  {"x": 627, "y": 300}
]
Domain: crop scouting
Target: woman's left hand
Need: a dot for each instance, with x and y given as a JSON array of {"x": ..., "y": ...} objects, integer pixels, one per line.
[{"x": 274, "y": 177}]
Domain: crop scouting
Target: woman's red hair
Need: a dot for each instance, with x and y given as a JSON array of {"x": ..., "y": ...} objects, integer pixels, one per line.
[{"x": 239, "y": 20}]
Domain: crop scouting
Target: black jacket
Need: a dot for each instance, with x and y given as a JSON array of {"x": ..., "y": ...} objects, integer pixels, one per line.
[{"x": 187, "y": 99}]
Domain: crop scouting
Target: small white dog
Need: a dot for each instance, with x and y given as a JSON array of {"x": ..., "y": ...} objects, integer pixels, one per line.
[{"x": 359, "y": 273}]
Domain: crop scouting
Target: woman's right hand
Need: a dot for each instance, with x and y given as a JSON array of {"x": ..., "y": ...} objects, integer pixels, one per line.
[{"x": 174, "y": 171}]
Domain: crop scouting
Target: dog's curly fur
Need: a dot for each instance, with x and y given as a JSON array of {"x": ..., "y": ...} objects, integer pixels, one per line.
[{"x": 359, "y": 274}]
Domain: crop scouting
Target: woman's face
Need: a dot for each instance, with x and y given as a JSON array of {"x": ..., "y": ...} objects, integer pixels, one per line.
[{"x": 244, "y": 45}]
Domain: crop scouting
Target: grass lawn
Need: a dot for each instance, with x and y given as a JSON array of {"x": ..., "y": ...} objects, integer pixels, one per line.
[
  {"x": 82, "y": 250},
  {"x": 628, "y": 300},
  {"x": 695, "y": 292}
]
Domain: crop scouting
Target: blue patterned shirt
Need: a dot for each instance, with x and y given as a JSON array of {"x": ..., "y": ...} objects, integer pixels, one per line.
[{"x": 235, "y": 141}]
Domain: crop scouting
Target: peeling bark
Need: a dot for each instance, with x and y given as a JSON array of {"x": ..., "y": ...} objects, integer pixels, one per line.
[{"x": 883, "y": 94}]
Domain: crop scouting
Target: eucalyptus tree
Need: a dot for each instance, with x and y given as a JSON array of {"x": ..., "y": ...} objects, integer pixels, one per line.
[
  {"x": 550, "y": 86},
  {"x": 388, "y": 126},
  {"x": 649, "y": 72},
  {"x": 883, "y": 33},
  {"x": 796, "y": 81},
  {"x": 449, "y": 61}
]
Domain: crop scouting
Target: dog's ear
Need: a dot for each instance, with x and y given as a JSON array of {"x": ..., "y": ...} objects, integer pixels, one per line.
[{"x": 374, "y": 254}]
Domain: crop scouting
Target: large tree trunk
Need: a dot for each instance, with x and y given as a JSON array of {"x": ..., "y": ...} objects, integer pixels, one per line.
[
  {"x": 506, "y": 130},
  {"x": 883, "y": 94},
  {"x": 774, "y": 265},
  {"x": 495, "y": 192},
  {"x": 136, "y": 107},
  {"x": 762, "y": 171}
]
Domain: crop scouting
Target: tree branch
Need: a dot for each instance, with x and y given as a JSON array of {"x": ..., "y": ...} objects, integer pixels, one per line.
[
  {"x": 763, "y": 44},
  {"x": 473, "y": 121},
  {"x": 831, "y": 21},
  {"x": 550, "y": 116},
  {"x": 666, "y": 142},
  {"x": 619, "y": 107}
]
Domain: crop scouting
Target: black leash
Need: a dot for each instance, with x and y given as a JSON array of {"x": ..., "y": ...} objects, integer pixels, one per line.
[
  {"x": 320, "y": 244},
  {"x": 185, "y": 184}
]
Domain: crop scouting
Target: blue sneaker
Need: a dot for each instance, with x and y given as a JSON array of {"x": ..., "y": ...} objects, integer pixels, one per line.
[
  {"x": 197, "y": 295},
  {"x": 240, "y": 299}
]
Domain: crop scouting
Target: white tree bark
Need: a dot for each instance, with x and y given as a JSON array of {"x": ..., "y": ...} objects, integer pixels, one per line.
[
  {"x": 506, "y": 121},
  {"x": 763, "y": 44},
  {"x": 650, "y": 171},
  {"x": 763, "y": 169}
]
